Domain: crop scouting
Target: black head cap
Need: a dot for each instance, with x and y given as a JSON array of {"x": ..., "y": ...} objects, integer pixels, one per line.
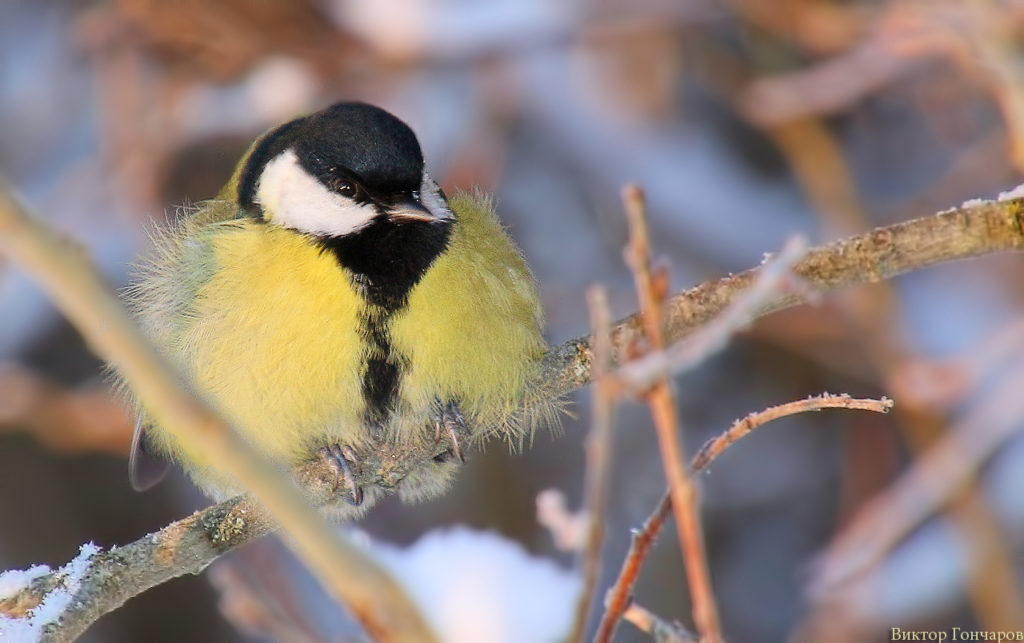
[{"x": 347, "y": 141}]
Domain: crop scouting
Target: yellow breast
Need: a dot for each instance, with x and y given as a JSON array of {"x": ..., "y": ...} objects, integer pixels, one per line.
[{"x": 274, "y": 341}]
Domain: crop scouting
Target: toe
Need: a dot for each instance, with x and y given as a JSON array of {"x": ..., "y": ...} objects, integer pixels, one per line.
[{"x": 340, "y": 460}]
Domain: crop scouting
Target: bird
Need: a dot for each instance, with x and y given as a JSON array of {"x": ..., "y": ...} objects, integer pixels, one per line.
[{"x": 332, "y": 297}]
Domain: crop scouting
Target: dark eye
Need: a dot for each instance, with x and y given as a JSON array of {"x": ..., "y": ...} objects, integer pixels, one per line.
[{"x": 347, "y": 189}]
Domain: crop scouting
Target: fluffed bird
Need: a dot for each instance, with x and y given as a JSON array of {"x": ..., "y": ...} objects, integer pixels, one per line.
[{"x": 332, "y": 297}]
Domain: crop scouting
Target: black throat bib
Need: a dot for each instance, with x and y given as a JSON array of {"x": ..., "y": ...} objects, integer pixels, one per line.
[{"x": 386, "y": 260}]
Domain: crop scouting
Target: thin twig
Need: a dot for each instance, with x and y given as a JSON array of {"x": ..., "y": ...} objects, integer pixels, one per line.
[
  {"x": 662, "y": 402},
  {"x": 65, "y": 272},
  {"x": 774, "y": 280},
  {"x": 713, "y": 448},
  {"x": 992, "y": 40},
  {"x": 620, "y": 593},
  {"x": 599, "y": 450},
  {"x": 770, "y": 283},
  {"x": 660, "y": 630}
]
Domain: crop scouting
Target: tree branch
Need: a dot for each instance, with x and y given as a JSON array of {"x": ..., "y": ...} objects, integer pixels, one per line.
[
  {"x": 980, "y": 228},
  {"x": 189, "y": 545}
]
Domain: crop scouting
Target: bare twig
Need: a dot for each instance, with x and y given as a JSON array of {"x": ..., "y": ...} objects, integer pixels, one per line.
[
  {"x": 620, "y": 593},
  {"x": 775, "y": 279},
  {"x": 968, "y": 32},
  {"x": 663, "y": 408},
  {"x": 64, "y": 271},
  {"x": 928, "y": 392},
  {"x": 900, "y": 38},
  {"x": 992, "y": 41},
  {"x": 599, "y": 450},
  {"x": 992, "y": 584},
  {"x": 642, "y": 372},
  {"x": 660, "y": 630},
  {"x": 713, "y": 448},
  {"x": 189, "y": 545},
  {"x": 568, "y": 529}
]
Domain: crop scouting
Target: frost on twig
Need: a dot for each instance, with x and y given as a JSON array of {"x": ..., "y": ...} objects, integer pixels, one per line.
[
  {"x": 935, "y": 478},
  {"x": 713, "y": 448},
  {"x": 30, "y": 623}
]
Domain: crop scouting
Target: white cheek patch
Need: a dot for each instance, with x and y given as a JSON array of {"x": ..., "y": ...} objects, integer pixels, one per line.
[
  {"x": 430, "y": 197},
  {"x": 292, "y": 198}
]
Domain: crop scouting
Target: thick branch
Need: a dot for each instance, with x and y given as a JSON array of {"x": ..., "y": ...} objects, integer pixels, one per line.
[
  {"x": 189, "y": 545},
  {"x": 981, "y": 228}
]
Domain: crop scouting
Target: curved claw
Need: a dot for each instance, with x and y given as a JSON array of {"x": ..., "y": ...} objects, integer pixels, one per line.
[
  {"x": 451, "y": 419},
  {"x": 456, "y": 447},
  {"x": 339, "y": 458}
]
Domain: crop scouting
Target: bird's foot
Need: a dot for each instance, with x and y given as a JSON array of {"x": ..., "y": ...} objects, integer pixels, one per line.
[
  {"x": 451, "y": 422},
  {"x": 341, "y": 459}
]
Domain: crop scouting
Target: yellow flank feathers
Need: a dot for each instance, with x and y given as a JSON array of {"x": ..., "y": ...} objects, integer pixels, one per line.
[{"x": 472, "y": 325}]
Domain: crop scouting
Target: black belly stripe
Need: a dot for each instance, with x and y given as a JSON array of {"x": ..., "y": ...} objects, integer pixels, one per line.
[
  {"x": 386, "y": 260},
  {"x": 383, "y": 366}
]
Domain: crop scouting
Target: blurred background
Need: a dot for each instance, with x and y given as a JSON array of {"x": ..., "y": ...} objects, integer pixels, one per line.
[{"x": 747, "y": 121}]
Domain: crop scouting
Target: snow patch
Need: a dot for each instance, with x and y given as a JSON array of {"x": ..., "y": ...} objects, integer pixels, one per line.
[{"x": 478, "y": 586}]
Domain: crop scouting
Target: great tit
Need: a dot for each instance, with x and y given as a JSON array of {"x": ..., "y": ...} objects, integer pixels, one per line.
[{"x": 332, "y": 295}]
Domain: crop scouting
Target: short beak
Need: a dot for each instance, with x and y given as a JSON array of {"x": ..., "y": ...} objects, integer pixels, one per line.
[{"x": 411, "y": 210}]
